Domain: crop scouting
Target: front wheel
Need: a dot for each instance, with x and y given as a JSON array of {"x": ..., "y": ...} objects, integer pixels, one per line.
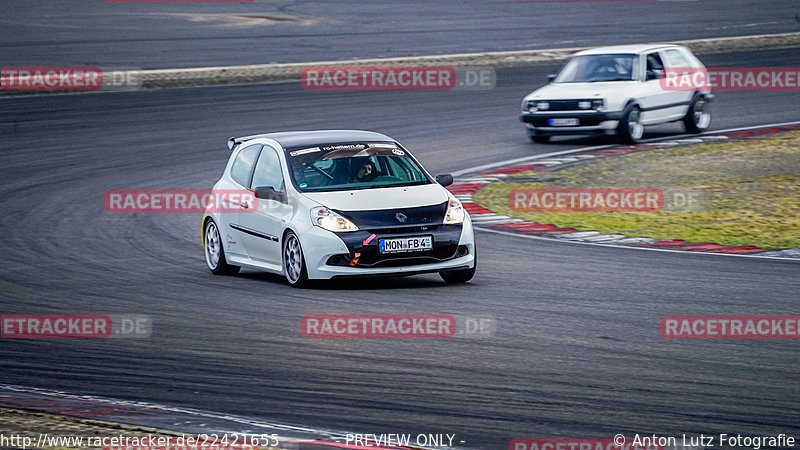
[
  {"x": 630, "y": 128},
  {"x": 698, "y": 117},
  {"x": 215, "y": 254},
  {"x": 294, "y": 266},
  {"x": 460, "y": 276}
]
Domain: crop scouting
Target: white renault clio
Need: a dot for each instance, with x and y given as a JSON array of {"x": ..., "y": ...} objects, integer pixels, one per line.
[
  {"x": 618, "y": 90},
  {"x": 330, "y": 204}
]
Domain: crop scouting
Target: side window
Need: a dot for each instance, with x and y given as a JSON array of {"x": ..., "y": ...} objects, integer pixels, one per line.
[
  {"x": 268, "y": 170},
  {"x": 399, "y": 168},
  {"x": 243, "y": 165},
  {"x": 675, "y": 59},
  {"x": 654, "y": 62}
]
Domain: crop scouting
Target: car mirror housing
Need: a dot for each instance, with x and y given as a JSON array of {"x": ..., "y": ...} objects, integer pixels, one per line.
[
  {"x": 444, "y": 179},
  {"x": 551, "y": 78},
  {"x": 269, "y": 193}
]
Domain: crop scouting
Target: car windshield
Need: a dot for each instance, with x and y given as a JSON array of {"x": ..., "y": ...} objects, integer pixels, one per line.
[
  {"x": 344, "y": 167},
  {"x": 594, "y": 68}
]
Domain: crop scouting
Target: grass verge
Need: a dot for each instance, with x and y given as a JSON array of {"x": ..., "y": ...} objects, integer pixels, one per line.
[
  {"x": 749, "y": 191},
  {"x": 29, "y": 425}
]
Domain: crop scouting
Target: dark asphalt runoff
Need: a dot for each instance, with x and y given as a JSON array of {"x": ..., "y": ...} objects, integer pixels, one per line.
[
  {"x": 165, "y": 34},
  {"x": 577, "y": 350}
]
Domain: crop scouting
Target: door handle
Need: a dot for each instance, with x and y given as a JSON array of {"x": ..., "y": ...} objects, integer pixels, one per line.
[{"x": 245, "y": 205}]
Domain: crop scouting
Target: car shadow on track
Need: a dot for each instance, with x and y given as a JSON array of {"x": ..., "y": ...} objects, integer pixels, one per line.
[
  {"x": 355, "y": 283},
  {"x": 591, "y": 141}
]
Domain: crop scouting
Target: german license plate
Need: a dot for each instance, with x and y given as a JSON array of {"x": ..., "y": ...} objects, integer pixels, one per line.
[
  {"x": 564, "y": 122},
  {"x": 406, "y": 244}
]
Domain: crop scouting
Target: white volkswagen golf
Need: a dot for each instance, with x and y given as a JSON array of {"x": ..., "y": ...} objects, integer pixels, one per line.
[
  {"x": 618, "y": 90},
  {"x": 331, "y": 204}
]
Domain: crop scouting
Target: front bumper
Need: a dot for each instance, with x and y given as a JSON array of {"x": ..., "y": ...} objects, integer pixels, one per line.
[
  {"x": 596, "y": 122},
  {"x": 345, "y": 254}
]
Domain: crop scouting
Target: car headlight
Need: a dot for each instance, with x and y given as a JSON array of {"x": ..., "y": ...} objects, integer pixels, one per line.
[
  {"x": 542, "y": 106},
  {"x": 331, "y": 221},
  {"x": 598, "y": 104},
  {"x": 455, "y": 212}
]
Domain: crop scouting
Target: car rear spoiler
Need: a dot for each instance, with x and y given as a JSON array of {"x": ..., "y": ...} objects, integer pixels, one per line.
[{"x": 234, "y": 141}]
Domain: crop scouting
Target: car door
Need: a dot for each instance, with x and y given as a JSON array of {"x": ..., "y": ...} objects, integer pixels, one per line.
[
  {"x": 653, "y": 99},
  {"x": 680, "y": 98},
  {"x": 262, "y": 225},
  {"x": 238, "y": 179}
]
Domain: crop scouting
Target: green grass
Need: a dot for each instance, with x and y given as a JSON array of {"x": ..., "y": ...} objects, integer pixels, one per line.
[{"x": 750, "y": 192}]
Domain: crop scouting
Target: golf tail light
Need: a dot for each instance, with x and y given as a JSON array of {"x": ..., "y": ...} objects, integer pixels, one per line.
[
  {"x": 331, "y": 221},
  {"x": 455, "y": 212}
]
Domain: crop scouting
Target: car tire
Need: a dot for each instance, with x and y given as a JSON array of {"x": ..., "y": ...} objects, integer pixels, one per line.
[
  {"x": 538, "y": 138},
  {"x": 698, "y": 117},
  {"x": 630, "y": 129},
  {"x": 294, "y": 264},
  {"x": 460, "y": 276},
  {"x": 214, "y": 251}
]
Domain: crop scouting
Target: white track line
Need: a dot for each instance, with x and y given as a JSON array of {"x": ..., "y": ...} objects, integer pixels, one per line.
[
  {"x": 598, "y": 244},
  {"x": 319, "y": 433},
  {"x": 601, "y": 147}
]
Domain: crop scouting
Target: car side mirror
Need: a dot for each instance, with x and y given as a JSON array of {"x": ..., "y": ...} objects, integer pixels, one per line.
[
  {"x": 550, "y": 78},
  {"x": 653, "y": 75},
  {"x": 269, "y": 193},
  {"x": 444, "y": 179}
]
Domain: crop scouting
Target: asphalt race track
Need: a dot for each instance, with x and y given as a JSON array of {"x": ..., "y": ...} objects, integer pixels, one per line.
[
  {"x": 577, "y": 351},
  {"x": 167, "y": 35}
]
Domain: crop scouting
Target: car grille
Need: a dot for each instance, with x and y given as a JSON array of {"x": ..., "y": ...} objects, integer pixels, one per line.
[
  {"x": 430, "y": 215},
  {"x": 403, "y": 230},
  {"x": 445, "y": 245},
  {"x": 561, "y": 105},
  {"x": 368, "y": 260},
  {"x": 564, "y": 105}
]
